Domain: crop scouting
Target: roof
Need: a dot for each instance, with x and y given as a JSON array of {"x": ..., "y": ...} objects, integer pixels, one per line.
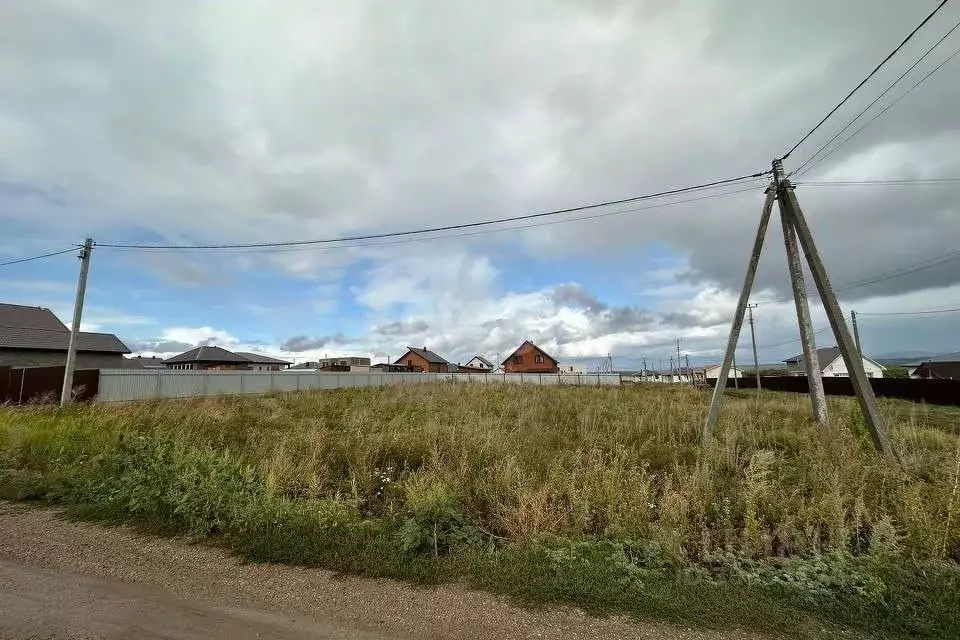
[
  {"x": 427, "y": 355},
  {"x": 142, "y": 362},
  {"x": 482, "y": 359},
  {"x": 939, "y": 370},
  {"x": 256, "y": 358},
  {"x": 527, "y": 342},
  {"x": 207, "y": 354},
  {"x": 22, "y": 317},
  {"x": 826, "y": 355}
]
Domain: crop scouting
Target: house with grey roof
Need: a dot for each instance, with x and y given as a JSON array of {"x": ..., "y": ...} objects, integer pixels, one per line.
[
  {"x": 35, "y": 337},
  {"x": 832, "y": 364},
  {"x": 259, "y": 362},
  {"x": 213, "y": 358},
  {"x": 424, "y": 361}
]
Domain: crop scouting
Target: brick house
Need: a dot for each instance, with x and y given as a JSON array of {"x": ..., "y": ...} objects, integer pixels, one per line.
[
  {"x": 35, "y": 337},
  {"x": 260, "y": 362},
  {"x": 529, "y": 358},
  {"x": 424, "y": 361}
]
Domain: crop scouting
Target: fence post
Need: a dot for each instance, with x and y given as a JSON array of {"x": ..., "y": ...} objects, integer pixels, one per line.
[
  {"x": 159, "y": 383},
  {"x": 242, "y": 391},
  {"x": 23, "y": 376}
]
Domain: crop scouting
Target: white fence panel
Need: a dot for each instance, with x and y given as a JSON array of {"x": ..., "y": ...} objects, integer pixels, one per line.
[
  {"x": 223, "y": 384},
  {"x": 257, "y": 382},
  {"x": 286, "y": 383},
  {"x": 123, "y": 385},
  {"x": 183, "y": 384},
  {"x": 307, "y": 381},
  {"x": 127, "y": 384}
]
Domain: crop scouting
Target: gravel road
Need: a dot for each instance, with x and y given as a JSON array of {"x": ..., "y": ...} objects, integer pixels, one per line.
[{"x": 60, "y": 579}]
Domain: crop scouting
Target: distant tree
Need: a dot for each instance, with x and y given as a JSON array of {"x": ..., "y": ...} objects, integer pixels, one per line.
[{"x": 895, "y": 372}]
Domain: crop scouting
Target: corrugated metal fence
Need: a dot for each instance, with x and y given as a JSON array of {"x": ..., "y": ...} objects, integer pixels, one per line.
[{"x": 135, "y": 384}]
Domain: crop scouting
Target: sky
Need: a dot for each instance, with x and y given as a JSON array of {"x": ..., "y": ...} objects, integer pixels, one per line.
[{"x": 193, "y": 123}]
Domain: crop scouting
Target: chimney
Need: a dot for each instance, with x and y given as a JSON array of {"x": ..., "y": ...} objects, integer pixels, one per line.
[{"x": 424, "y": 347}]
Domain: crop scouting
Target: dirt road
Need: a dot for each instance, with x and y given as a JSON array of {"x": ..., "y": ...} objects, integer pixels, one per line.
[{"x": 60, "y": 579}]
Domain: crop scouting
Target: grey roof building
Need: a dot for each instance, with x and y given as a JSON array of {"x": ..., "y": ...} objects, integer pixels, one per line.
[
  {"x": 213, "y": 357},
  {"x": 34, "y": 336}
]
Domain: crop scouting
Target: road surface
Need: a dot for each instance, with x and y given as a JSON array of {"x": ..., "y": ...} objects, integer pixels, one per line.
[{"x": 60, "y": 579}]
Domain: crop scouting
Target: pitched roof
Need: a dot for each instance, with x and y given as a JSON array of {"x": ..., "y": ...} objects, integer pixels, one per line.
[
  {"x": 938, "y": 370},
  {"x": 825, "y": 355},
  {"x": 23, "y": 317},
  {"x": 140, "y": 362},
  {"x": 256, "y": 358},
  {"x": 527, "y": 342},
  {"x": 427, "y": 355},
  {"x": 207, "y": 354},
  {"x": 482, "y": 359}
]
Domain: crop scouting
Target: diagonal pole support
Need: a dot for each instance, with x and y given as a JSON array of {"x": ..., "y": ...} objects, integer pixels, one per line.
[
  {"x": 721, "y": 385},
  {"x": 851, "y": 357}
]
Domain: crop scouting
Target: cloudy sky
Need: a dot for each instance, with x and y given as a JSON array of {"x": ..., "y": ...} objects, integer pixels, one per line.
[{"x": 253, "y": 121}]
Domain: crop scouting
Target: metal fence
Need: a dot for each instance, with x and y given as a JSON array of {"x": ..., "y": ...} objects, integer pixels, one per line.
[{"x": 118, "y": 385}]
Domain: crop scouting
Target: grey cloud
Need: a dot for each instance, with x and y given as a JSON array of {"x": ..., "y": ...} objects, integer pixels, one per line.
[
  {"x": 402, "y": 328},
  {"x": 297, "y": 344},
  {"x": 160, "y": 346},
  {"x": 571, "y": 294}
]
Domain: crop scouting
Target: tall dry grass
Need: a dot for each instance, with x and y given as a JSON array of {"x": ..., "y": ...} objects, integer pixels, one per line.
[{"x": 523, "y": 462}]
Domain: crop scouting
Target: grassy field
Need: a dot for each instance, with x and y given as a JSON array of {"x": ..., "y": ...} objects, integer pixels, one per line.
[{"x": 595, "y": 497}]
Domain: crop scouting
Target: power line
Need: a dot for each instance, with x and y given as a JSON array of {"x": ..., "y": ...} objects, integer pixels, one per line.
[
  {"x": 878, "y": 98},
  {"x": 45, "y": 255},
  {"x": 454, "y": 227},
  {"x": 904, "y": 270},
  {"x": 883, "y": 111},
  {"x": 923, "y": 312},
  {"x": 865, "y": 80},
  {"x": 868, "y": 183},
  {"x": 287, "y": 249}
]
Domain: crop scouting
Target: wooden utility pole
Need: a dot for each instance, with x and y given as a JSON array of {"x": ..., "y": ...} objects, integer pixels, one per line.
[
  {"x": 66, "y": 392},
  {"x": 810, "y": 360},
  {"x": 736, "y": 382},
  {"x": 795, "y": 228},
  {"x": 753, "y": 340},
  {"x": 679, "y": 366},
  {"x": 856, "y": 332}
]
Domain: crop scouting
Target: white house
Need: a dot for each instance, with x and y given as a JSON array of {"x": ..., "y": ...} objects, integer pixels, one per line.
[
  {"x": 479, "y": 362},
  {"x": 572, "y": 368},
  {"x": 832, "y": 365},
  {"x": 713, "y": 371}
]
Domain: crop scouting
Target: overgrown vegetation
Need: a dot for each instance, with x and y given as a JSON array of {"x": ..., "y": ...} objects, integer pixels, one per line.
[{"x": 596, "y": 497}]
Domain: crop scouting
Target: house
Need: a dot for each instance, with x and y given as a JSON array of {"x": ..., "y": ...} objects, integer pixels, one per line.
[
  {"x": 349, "y": 361},
  {"x": 263, "y": 363},
  {"x": 529, "y": 358},
  {"x": 35, "y": 337},
  {"x": 945, "y": 367},
  {"x": 571, "y": 368},
  {"x": 424, "y": 361},
  {"x": 144, "y": 363},
  {"x": 479, "y": 363},
  {"x": 832, "y": 364},
  {"x": 386, "y": 367},
  {"x": 208, "y": 358},
  {"x": 713, "y": 371}
]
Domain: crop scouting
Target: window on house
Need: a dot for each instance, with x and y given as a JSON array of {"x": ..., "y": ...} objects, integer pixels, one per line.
[
  {"x": 517, "y": 359},
  {"x": 538, "y": 359}
]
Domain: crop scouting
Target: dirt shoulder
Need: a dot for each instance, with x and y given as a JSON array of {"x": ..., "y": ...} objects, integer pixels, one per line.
[{"x": 63, "y": 579}]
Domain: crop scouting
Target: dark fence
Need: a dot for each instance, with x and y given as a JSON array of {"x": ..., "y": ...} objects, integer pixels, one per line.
[
  {"x": 929, "y": 391},
  {"x": 43, "y": 384}
]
